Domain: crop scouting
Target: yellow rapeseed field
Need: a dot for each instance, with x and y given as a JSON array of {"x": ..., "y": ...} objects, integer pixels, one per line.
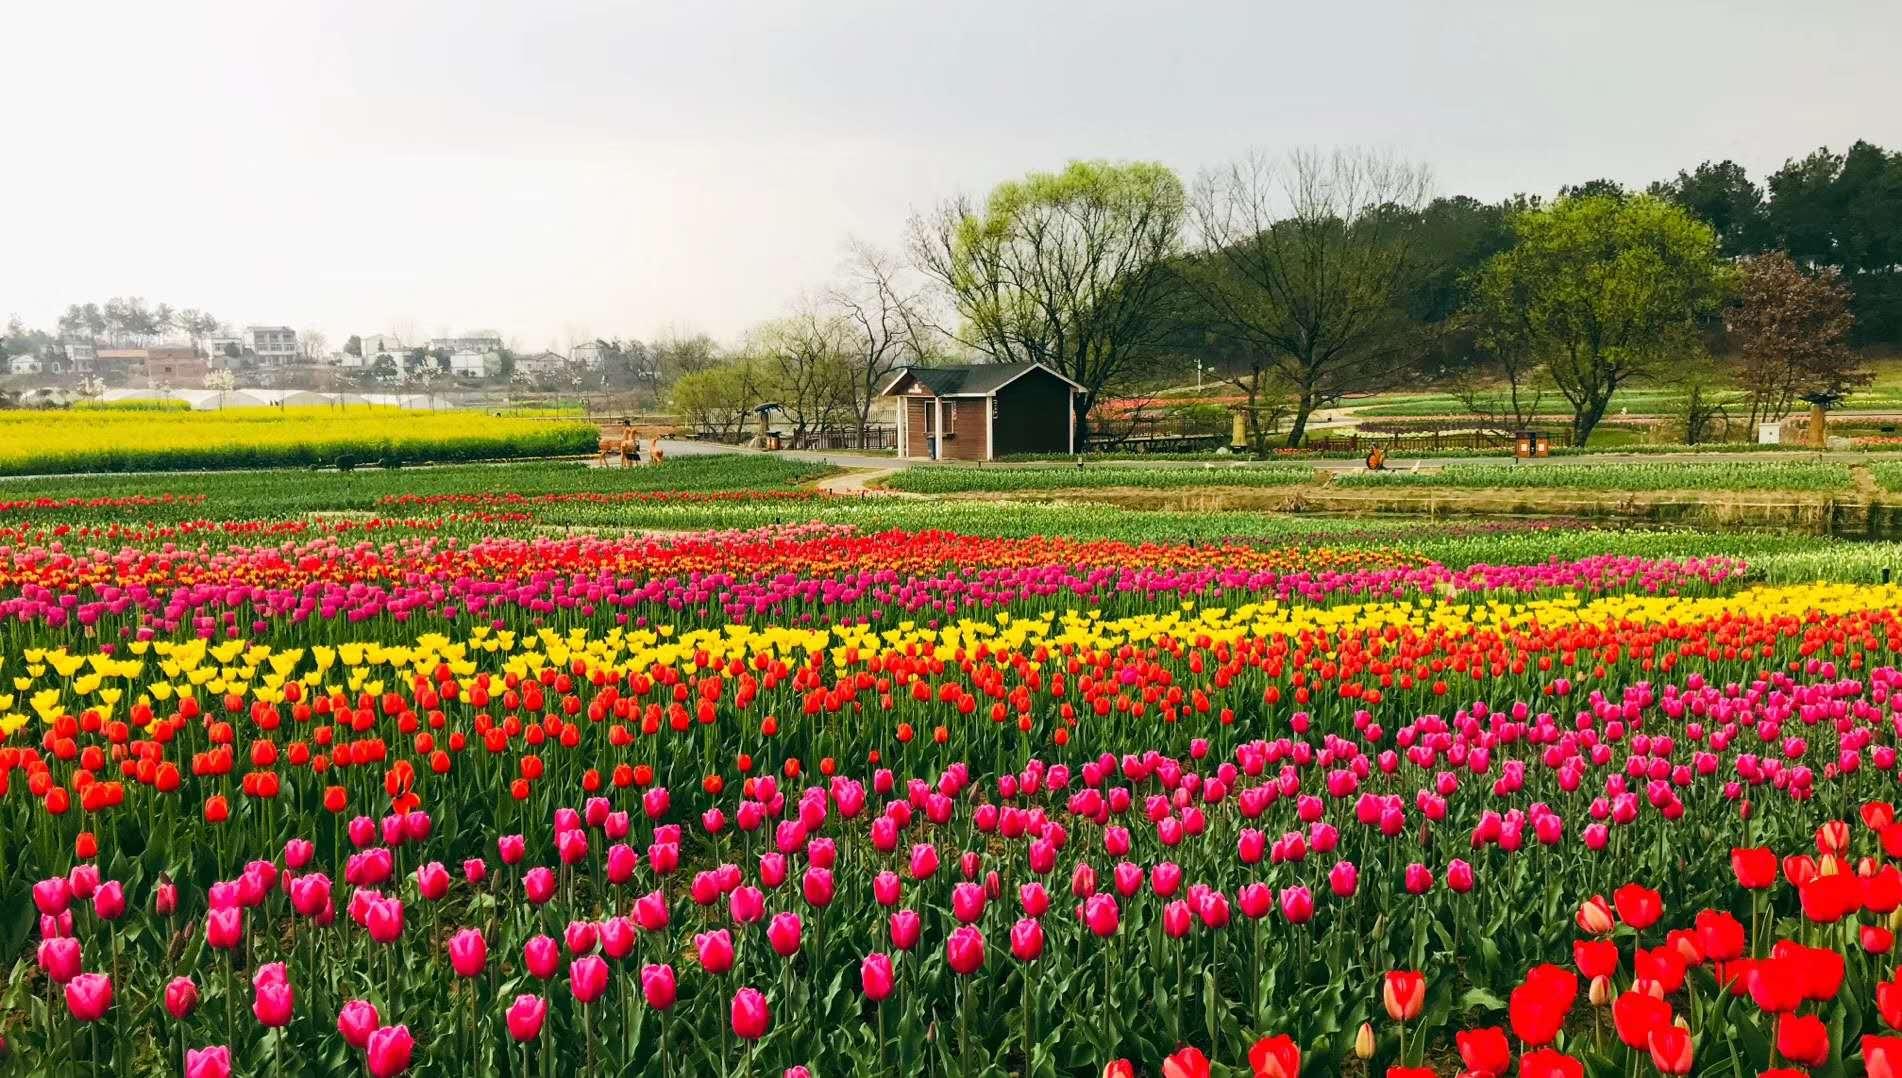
[{"x": 45, "y": 442}]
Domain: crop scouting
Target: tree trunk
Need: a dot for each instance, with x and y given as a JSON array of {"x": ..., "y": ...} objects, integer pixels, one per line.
[
  {"x": 1586, "y": 418},
  {"x": 1299, "y": 429}
]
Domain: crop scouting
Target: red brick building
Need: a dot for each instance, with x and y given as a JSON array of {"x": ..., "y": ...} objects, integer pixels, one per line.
[{"x": 983, "y": 411}]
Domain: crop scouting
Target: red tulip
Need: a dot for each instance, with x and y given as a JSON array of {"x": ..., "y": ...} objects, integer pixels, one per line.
[
  {"x": 1634, "y": 1015},
  {"x": 751, "y": 1014},
  {"x": 389, "y": 1050},
  {"x": 1485, "y": 1050},
  {"x": 1875, "y": 939},
  {"x": 1889, "y": 1002},
  {"x": 525, "y": 1017},
  {"x": 1118, "y": 1068},
  {"x": 1403, "y": 992},
  {"x": 1719, "y": 935},
  {"x": 356, "y": 1021},
  {"x": 1882, "y": 1056},
  {"x": 1546, "y": 1063},
  {"x": 1275, "y": 1057},
  {"x": 1537, "y": 1013},
  {"x": 88, "y": 996},
  {"x": 1186, "y": 1063},
  {"x": 1775, "y": 984},
  {"x": 1670, "y": 1049},
  {"x": 1802, "y": 1038},
  {"x": 1595, "y": 958},
  {"x": 1639, "y": 907}
]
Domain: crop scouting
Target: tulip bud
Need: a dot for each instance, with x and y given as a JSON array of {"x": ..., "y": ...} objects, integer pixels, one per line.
[
  {"x": 1601, "y": 992},
  {"x": 1364, "y": 1041}
]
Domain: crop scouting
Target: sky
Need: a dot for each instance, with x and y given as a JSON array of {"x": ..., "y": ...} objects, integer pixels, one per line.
[{"x": 559, "y": 170}]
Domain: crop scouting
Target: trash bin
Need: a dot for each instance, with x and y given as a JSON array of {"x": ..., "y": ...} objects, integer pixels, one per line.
[{"x": 1523, "y": 444}]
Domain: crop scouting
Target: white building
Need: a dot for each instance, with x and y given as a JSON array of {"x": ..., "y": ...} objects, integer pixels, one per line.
[
  {"x": 25, "y": 364},
  {"x": 473, "y": 343},
  {"x": 542, "y": 364},
  {"x": 475, "y": 364},
  {"x": 275, "y": 346},
  {"x": 590, "y": 355},
  {"x": 81, "y": 352}
]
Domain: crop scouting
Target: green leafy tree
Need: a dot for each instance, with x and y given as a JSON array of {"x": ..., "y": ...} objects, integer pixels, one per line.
[
  {"x": 353, "y": 346},
  {"x": 1602, "y": 291},
  {"x": 1722, "y": 196},
  {"x": 1063, "y": 268},
  {"x": 717, "y": 400}
]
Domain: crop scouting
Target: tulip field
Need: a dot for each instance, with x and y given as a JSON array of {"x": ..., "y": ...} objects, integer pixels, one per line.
[{"x": 692, "y": 770}]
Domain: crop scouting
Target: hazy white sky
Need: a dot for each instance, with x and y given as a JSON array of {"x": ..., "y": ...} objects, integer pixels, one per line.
[{"x": 557, "y": 170}]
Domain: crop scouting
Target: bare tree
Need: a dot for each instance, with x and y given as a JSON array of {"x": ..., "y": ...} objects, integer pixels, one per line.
[
  {"x": 1504, "y": 390},
  {"x": 881, "y": 327},
  {"x": 1065, "y": 269},
  {"x": 312, "y": 343},
  {"x": 1310, "y": 259}
]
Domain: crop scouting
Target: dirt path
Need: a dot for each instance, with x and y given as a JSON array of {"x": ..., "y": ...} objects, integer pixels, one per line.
[{"x": 857, "y": 482}]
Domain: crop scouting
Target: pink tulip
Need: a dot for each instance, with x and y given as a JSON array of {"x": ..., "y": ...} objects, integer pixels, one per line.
[
  {"x": 905, "y": 928},
  {"x": 383, "y": 918},
  {"x": 272, "y": 1004},
  {"x": 784, "y": 933},
  {"x": 83, "y": 880},
  {"x": 298, "y": 852},
  {"x": 356, "y": 1021},
  {"x": 588, "y": 978},
  {"x": 964, "y": 950},
  {"x": 108, "y": 902},
  {"x": 165, "y": 898},
  {"x": 1101, "y": 915},
  {"x": 539, "y": 885},
  {"x": 617, "y": 937},
  {"x": 751, "y": 1015},
  {"x": 213, "y": 1062},
  {"x": 59, "y": 958},
  {"x": 474, "y": 870},
  {"x": 224, "y": 928},
  {"x": 1026, "y": 940},
  {"x": 468, "y": 952},
  {"x": 89, "y": 996},
  {"x": 511, "y": 849},
  {"x": 650, "y": 911},
  {"x": 525, "y": 1017},
  {"x": 181, "y": 997},
  {"x": 53, "y": 895},
  {"x": 715, "y": 950},
  {"x": 658, "y": 986},
  {"x": 580, "y": 937},
  {"x": 432, "y": 881},
  {"x": 1297, "y": 905},
  {"x": 875, "y": 976},
  {"x": 389, "y": 1050},
  {"x": 542, "y": 956}
]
